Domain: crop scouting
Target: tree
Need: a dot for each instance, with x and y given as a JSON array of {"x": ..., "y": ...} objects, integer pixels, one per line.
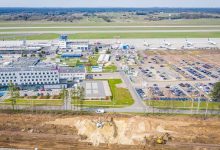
[
  {"x": 96, "y": 49},
  {"x": 215, "y": 94},
  {"x": 108, "y": 52},
  {"x": 14, "y": 93},
  {"x": 74, "y": 97},
  {"x": 81, "y": 96}
]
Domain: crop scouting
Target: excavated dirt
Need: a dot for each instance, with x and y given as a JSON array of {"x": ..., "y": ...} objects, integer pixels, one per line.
[{"x": 130, "y": 132}]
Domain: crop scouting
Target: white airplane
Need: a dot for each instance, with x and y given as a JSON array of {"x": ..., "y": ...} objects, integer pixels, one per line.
[
  {"x": 166, "y": 43},
  {"x": 146, "y": 44},
  {"x": 118, "y": 42},
  {"x": 211, "y": 42},
  {"x": 188, "y": 43},
  {"x": 171, "y": 48}
]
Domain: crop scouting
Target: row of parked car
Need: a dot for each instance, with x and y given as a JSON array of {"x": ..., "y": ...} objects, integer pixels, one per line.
[
  {"x": 189, "y": 89},
  {"x": 206, "y": 88},
  {"x": 141, "y": 93},
  {"x": 176, "y": 91},
  {"x": 208, "y": 73},
  {"x": 156, "y": 90},
  {"x": 195, "y": 73},
  {"x": 146, "y": 72},
  {"x": 183, "y": 73}
]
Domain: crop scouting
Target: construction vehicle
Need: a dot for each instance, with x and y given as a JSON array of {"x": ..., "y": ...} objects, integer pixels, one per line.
[
  {"x": 163, "y": 139},
  {"x": 100, "y": 123}
]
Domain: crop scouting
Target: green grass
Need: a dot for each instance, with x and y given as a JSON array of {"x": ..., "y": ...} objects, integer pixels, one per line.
[
  {"x": 125, "y": 35},
  {"x": 99, "y": 23},
  {"x": 110, "y": 68},
  {"x": 145, "y": 35},
  {"x": 41, "y": 102},
  {"x": 70, "y": 61},
  {"x": 182, "y": 104},
  {"x": 108, "y": 29},
  {"x": 93, "y": 60},
  {"x": 121, "y": 97}
]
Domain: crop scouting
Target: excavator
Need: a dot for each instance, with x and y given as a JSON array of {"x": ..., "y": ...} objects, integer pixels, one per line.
[{"x": 163, "y": 138}]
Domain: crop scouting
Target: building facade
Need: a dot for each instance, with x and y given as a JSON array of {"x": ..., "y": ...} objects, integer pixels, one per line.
[
  {"x": 29, "y": 75},
  {"x": 39, "y": 75},
  {"x": 76, "y": 73}
]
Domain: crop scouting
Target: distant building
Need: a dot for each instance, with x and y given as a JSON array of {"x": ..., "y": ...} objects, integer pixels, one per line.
[
  {"x": 62, "y": 43},
  {"x": 63, "y": 37},
  {"x": 96, "y": 68},
  {"x": 79, "y": 45},
  {"x": 103, "y": 58},
  {"x": 19, "y": 50},
  {"x": 71, "y": 55}
]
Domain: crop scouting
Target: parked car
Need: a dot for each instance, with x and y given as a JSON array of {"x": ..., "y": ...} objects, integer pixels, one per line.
[{"x": 100, "y": 111}]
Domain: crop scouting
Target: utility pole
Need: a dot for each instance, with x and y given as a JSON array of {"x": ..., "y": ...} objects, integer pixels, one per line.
[
  {"x": 199, "y": 103},
  {"x": 207, "y": 105}
]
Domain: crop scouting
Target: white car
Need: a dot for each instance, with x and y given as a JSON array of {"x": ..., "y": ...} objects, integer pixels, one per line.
[{"x": 100, "y": 111}]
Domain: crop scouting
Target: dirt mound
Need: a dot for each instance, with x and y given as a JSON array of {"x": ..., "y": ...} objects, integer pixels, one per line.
[{"x": 129, "y": 131}]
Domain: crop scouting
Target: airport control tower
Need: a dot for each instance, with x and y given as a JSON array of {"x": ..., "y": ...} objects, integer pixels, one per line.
[
  {"x": 63, "y": 37},
  {"x": 63, "y": 41}
]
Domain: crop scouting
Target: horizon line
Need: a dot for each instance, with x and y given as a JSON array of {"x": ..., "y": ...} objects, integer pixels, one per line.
[{"x": 112, "y": 7}]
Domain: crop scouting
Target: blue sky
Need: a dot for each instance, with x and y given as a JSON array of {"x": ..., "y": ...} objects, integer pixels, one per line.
[{"x": 109, "y": 3}]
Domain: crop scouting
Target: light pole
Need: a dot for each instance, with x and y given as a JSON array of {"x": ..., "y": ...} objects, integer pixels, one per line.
[
  {"x": 199, "y": 103},
  {"x": 207, "y": 105}
]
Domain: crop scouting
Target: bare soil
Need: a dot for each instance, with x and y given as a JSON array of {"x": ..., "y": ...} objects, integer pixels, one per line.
[{"x": 130, "y": 132}]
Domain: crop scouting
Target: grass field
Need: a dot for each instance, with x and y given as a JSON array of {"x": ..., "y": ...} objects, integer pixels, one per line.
[
  {"x": 182, "y": 104},
  {"x": 93, "y": 59},
  {"x": 121, "y": 97},
  {"x": 72, "y": 62},
  {"x": 34, "y": 102},
  {"x": 90, "y": 23},
  {"x": 124, "y": 35},
  {"x": 108, "y": 29},
  {"x": 111, "y": 68}
]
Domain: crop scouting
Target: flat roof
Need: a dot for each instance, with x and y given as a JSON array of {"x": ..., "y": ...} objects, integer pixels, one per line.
[
  {"x": 72, "y": 70},
  {"x": 96, "y": 89},
  {"x": 28, "y": 68}
]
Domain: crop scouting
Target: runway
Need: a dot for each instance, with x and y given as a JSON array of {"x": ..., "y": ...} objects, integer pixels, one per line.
[
  {"x": 96, "y": 27},
  {"x": 109, "y": 31}
]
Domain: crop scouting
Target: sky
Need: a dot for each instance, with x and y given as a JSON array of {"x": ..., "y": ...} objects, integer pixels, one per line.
[{"x": 109, "y": 3}]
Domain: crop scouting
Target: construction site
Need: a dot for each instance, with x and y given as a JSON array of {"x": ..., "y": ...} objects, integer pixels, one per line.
[{"x": 108, "y": 131}]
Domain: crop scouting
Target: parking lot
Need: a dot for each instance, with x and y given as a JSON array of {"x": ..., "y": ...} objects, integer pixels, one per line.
[
  {"x": 40, "y": 92},
  {"x": 174, "y": 75}
]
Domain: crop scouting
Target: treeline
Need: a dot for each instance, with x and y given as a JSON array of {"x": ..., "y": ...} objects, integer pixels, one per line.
[
  {"x": 36, "y": 17},
  {"x": 185, "y": 15}
]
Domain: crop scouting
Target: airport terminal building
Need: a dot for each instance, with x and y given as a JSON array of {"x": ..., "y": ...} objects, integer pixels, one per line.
[{"x": 29, "y": 71}]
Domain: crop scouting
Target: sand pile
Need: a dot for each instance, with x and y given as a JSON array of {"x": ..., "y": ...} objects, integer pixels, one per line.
[{"x": 124, "y": 130}]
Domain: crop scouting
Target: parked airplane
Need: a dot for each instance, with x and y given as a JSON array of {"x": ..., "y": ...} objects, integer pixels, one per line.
[
  {"x": 146, "y": 44},
  {"x": 166, "y": 43},
  {"x": 211, "y": 42},
  {"x": 188, "y": 43},
  {"x": 171, "y": 48}
]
